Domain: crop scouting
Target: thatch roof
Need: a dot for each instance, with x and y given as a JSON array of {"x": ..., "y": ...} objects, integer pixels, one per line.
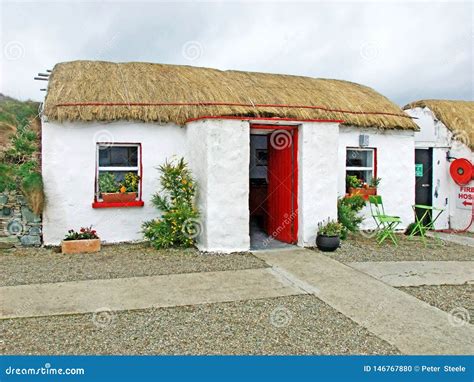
[
  {"x": 105, "y": 91},
  {"x": 458, "y": 116}
]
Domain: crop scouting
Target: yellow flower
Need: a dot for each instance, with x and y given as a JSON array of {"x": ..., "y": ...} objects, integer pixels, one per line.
[{"x": 123, "y": 189}]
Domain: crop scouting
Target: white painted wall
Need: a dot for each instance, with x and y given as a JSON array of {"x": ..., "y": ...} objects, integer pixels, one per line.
[
  {"x": 395, "y": 165},
  {"x": 69, "y": 160},
  {"x": 317, "y": 178},
  {"x": 221, "y": 168},
  {"x": 434, "y": 134}
]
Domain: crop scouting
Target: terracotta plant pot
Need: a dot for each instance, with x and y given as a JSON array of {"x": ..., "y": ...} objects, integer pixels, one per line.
[
  {"x": 364, "y": 192},
  {"x": 80, "y": 246},
  {"x": 118, "y": 197},
  {"x": 328, "y": 243}
]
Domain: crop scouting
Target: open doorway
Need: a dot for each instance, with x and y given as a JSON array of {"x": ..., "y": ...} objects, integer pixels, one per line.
[{"x": 273, "y": 186}]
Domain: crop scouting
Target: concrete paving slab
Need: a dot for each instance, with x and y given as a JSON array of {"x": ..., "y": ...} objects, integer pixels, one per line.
[
  {"x": 411, "y": 325},
  {"x": 142, "y": 292},
  {"x": 416, "y": 273},
  {"x": 454, "y": 238}
]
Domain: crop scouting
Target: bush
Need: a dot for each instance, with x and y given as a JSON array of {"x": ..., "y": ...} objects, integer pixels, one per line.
[
  {"x": 178, "y": 225},
  {"x": 347, "y": 213}
]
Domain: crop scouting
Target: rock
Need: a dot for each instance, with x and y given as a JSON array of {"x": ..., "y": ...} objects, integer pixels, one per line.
[
  {"x": 29, "y": 216},
  {"x": 3, "y": 199},
  {"x": 30, "y": 240},
  {"x": 35, "y": 230}
]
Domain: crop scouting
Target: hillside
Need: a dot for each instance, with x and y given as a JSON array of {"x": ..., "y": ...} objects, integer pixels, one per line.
[{"x": 14, "y": 113}]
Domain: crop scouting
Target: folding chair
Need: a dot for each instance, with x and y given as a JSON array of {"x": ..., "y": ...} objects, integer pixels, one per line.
[{"x": 386, "y": 224}]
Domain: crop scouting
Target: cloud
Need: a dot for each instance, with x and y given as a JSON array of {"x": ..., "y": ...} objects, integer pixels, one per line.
[{"x": 406, "y": 51}]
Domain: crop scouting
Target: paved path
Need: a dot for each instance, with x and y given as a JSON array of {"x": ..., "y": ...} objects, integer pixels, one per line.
[
  {"x": 411, "y": 325},
  {"x": 142, "y": 292},
  {"x": 415, "y": 273},
  {"x": 454, "y": 238}
]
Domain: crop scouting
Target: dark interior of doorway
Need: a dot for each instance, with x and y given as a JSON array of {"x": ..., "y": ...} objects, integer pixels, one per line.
[{"x": 258, "y": 195}]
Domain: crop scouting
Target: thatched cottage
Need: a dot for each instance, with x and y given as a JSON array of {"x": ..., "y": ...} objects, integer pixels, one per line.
[
  {"x": 446, "y": 134},
  {"x": 275, "y": 149}
]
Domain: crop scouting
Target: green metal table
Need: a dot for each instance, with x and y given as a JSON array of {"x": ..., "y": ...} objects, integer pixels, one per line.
[{"x": 420, "y": 226}]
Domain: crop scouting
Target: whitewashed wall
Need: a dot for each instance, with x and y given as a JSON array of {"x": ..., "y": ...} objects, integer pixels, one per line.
[
  {"x": 395, "y": 165},
  {"x": 220, "y": 164},
  {"x": 317, "y": 178},
  {"x": 69, "y": 162},
  {"x": 434, "y": 134}
]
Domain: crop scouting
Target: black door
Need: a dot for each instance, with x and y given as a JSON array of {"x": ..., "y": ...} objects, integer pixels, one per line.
[{"x": 424, "y": 180}]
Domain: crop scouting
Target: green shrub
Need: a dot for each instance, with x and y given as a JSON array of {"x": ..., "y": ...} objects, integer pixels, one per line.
[
  {"x": 178, "y": 225},
  {"x": 347, "y": 213}
]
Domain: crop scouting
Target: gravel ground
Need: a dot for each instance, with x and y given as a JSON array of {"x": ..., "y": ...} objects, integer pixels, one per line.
[
  {"x": 458, "y": 300},
  {"x": 359, "y": 248},
  {"x": 285, "y": 325},
  {"x": 41, "y": 265}
]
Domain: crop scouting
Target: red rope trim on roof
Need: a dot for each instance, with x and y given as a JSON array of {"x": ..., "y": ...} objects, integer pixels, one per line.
[
  {"x": 263, "y": 119},
  {"x": 226, "y": 104}
]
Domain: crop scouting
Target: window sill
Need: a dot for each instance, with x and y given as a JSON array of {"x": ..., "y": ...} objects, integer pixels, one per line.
[{"x": 137, "y": 203}]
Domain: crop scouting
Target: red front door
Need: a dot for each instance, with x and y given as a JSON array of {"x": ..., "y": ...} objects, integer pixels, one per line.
[{"x": 283, "y": 184}]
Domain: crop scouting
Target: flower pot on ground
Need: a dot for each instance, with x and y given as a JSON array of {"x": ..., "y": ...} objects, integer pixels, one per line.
[
  {"x": 328, "y": 238},
  {"x": 84, "y": 241}
]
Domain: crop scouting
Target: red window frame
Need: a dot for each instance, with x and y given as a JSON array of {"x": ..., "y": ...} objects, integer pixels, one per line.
[
  {"x": 374, "y": 149},
  {"x": 101, "y": 204}
]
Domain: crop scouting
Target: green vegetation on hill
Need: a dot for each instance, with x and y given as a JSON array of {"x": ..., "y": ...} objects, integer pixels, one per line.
[{"x": 19, "y": 157}]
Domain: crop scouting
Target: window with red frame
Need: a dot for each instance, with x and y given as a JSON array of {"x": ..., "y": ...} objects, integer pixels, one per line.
[
  {"x": 361, "y": 162},
  {"x": 118, "y": 159}
]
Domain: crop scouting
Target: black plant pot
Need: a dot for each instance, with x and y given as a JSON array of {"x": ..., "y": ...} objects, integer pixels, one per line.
[{"x": 328, "y": 243}]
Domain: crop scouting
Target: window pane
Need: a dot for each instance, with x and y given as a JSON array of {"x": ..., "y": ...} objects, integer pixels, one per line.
[
  {"x": 359, "y": 158},
  {"x": 120, "y": 156}
]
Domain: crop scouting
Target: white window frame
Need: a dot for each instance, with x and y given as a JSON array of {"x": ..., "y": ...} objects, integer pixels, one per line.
[
  {"x": 117, "y": 168},
  {"x": 355, "y": 168}
]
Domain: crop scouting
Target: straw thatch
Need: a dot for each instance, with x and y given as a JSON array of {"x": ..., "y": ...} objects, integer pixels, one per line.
[
  {"x": 105, "y": 91},
  {"x": 458, "y": 116}
]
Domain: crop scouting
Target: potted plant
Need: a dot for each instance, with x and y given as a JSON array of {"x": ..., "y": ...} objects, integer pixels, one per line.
[
  {"x": 358, "y": 187},
  {"x": 113, "y": 191},
  {"x": 328, "y": 238},
  {"x": 84, "y": 241}
]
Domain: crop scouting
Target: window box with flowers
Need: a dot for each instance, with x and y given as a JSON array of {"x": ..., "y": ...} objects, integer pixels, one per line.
[
  {"x": 118, "y": 176},
  {"x": 84, "y": 241},
  {"x": 357, "y": 186}
]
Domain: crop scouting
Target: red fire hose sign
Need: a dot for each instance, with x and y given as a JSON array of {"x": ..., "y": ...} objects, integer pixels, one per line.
[{"x": 465, "y": 197}]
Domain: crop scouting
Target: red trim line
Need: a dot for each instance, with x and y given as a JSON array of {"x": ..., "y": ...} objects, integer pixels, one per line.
[
  {"x": 226, "y": 104},
  {"x": 138, "y": 203},
  {"x": 264, "y": 119}
]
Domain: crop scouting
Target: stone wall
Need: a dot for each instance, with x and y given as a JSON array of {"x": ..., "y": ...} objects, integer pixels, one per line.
[{"x": 18, "y": 224}]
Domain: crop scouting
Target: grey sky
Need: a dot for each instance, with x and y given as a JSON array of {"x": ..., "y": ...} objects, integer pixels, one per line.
[{"x": 406, "y": 51}]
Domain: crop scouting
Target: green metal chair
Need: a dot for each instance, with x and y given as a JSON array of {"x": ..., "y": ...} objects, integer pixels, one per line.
[{"x": 386, "y": 224}]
